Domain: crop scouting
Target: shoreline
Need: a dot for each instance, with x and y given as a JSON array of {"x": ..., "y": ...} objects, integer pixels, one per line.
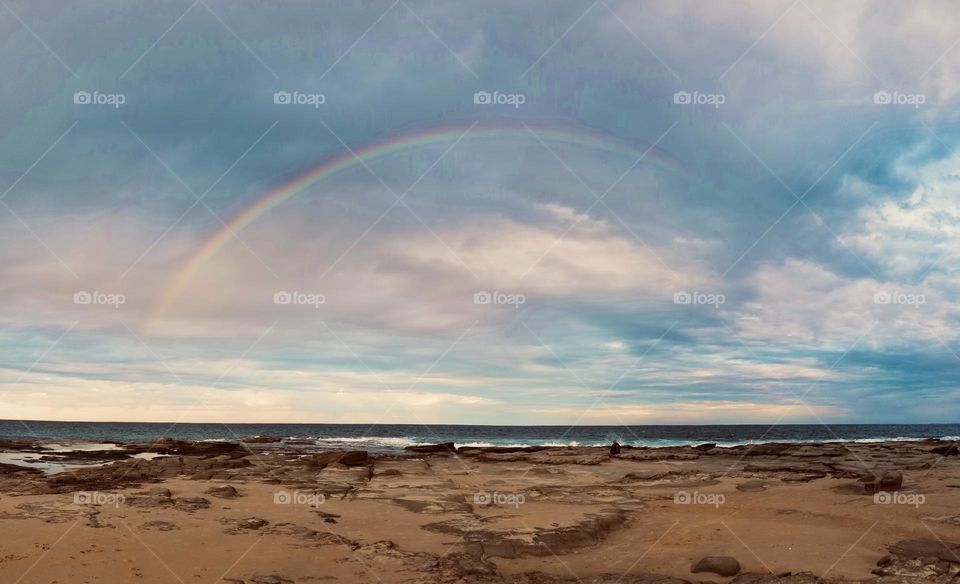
[{"x": 838, "y": 512}]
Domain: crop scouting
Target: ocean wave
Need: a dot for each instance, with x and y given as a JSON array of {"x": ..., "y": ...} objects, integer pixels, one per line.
[{"x": 374, "y": 440}]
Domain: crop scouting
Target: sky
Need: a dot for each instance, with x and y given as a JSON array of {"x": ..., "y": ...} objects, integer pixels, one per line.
[{"x": 637, "y": 212}]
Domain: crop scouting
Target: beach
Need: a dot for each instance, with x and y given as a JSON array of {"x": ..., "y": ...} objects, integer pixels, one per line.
[{"x": 181, "y": 511}]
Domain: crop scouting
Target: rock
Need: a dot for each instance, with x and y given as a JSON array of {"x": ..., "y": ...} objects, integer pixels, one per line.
[
  {"x": 158, "y": 525},
  {"x": 888, "y": 481},
  {"x": 349, "y": 458},
  {"x": 705, "y": 447},
  {"x": 755, "y": 578},
  {"x": 489, "y": 542},
  {"x": 644, "y": 475},
  {"x": 927, "y": 548},
  {"x": 269, "y": 580},
  {"x": 720, "y": 565},
  {"x": 185, "y": 447},
  {"x": 191, "y": 503},
  {"x": 753, "y": 486},
  {"x": 463, "y": 565},
  {"x": 446, "y": 447},
  {"x": 224, "y": 492},
  {"x": 252, "y": 523},
  {"x": 891, "y": 481},
  {"x": 947, "y": 450},
  {"x": 15, "y": 468},
  {"x": 802, "y": 477}
]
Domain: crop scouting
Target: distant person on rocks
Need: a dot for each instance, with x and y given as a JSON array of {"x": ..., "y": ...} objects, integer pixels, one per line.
[{"x": 615, "y": 448}]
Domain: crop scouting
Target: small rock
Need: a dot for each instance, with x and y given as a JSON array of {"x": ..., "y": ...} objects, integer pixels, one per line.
[
  {"x": 891, "y": 481},
  {"x": 191, "y": 503},
  {"x": 720, "y": 565},
  {"x": 224, "y": 492},
  {"x": 158, "y": 525},
  {"x": 753, "y": 486},
  {"x": 251, "y": 523}
]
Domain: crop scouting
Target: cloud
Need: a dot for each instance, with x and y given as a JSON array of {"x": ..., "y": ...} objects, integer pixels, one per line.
[
  {"x": 694, "y": 413},
  {"x": 710, "y": 209}
]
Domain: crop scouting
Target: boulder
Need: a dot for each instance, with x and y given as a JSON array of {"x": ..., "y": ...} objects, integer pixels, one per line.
[{"x": 720, "y": 565}]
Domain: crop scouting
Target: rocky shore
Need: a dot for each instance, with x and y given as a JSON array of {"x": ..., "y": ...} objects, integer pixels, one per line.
[{"x": 265, "y": 511}]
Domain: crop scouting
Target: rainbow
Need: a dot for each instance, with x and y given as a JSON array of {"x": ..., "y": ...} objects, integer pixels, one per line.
[{"x": 399, "y": 143}]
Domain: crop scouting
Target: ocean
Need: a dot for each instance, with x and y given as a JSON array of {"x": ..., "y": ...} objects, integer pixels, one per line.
[{"x": 393, "y": 437}]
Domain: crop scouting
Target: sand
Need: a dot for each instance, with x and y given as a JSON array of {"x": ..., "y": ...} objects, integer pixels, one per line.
[{"x": 552, "y": 515}]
